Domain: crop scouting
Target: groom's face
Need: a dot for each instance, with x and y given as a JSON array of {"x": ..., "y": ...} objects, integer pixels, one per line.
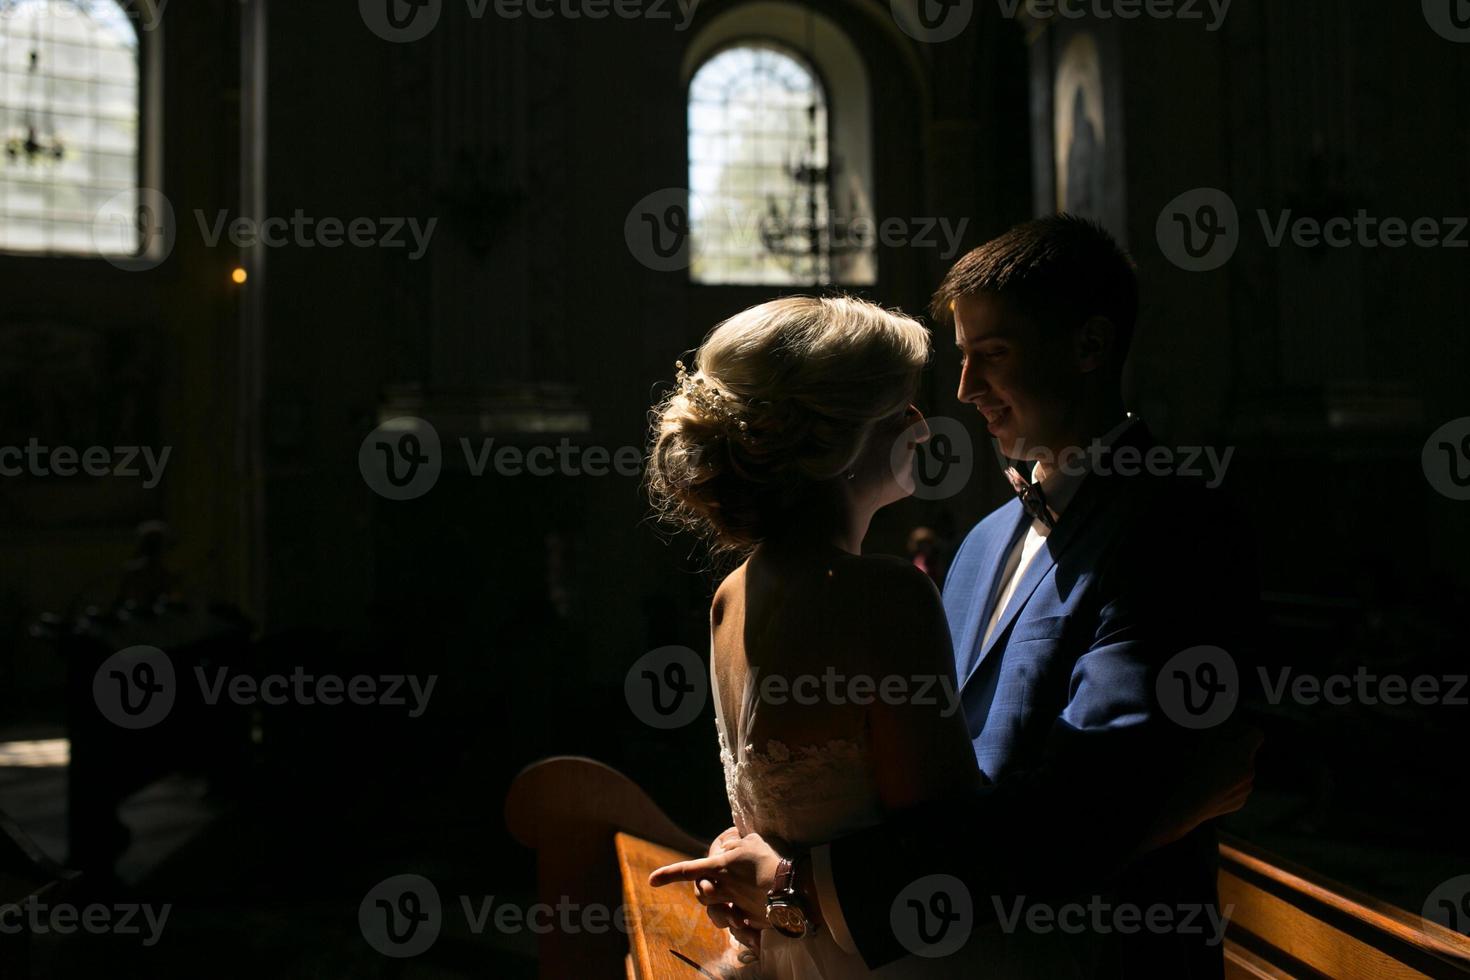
[{"x": 1022, "y": 377}]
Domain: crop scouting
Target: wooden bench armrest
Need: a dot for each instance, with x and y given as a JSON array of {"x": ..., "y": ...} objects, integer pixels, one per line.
[
  {"x": 568, "y": 809},
  {"x": 1287, "y": 921},
  {"x": 669, "y": 935}
]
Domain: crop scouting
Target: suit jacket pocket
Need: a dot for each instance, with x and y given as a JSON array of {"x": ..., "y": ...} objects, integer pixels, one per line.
[{"x": 1041, "y": 628}]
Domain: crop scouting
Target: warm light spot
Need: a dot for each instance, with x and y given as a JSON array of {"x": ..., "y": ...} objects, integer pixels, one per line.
[
  {"x": 239, "y": 276},
  {"x": 37, "y": 754}
]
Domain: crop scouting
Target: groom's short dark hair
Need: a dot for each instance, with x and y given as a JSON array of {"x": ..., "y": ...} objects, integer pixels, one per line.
[{"x": 1060, "y": 270}]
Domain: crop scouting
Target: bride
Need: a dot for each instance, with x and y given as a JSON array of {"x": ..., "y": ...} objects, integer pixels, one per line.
[{"x": 791, "y": 428}]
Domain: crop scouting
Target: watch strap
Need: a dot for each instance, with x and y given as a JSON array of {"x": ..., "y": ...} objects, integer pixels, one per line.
[{"x": 785, "y": 882}]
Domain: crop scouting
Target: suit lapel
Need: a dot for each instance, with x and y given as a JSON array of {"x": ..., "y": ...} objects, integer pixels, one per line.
[
  {"x": 1073, "y": 520},
  {"x": 992, "y": 562},
  {"x": 1041, "y": 563}
]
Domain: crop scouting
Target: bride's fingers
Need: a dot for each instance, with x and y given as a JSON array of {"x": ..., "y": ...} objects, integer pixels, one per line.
[
  {"x": 722, "y": 916},
  {"x": 708, "y": 893},
  {"x": 746, "y": 936},
  {"x": 686, "y": 871}
]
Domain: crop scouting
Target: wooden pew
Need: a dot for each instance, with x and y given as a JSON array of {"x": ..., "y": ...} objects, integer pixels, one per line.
[
  {"x": 669, "y": 936},
  {"x": 26, "y": 873},
  {"x": 594, "y": 830},
  {"x": 597, "y": 837},
  {"x": 109, "y": 762},
  {"x": 1290, "y": 922}
]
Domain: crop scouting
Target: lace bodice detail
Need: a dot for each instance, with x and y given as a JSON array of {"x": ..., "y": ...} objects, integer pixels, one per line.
[{"x": 802, "y": 795}]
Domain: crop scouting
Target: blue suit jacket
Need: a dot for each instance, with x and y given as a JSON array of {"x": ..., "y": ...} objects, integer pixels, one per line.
[
  {"x": 1015, "y": 685},
  {"x": 1062, "y": 710}
]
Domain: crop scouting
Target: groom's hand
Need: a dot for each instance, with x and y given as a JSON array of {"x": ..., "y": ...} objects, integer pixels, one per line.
[
  {"x": 741, "y": 874},
  {"x": 1218, "y": 784}
]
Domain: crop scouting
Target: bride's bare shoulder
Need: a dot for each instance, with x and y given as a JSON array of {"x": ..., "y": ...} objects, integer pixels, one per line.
[
  {"x": 846, "y": 586},
  {"x": 901, "y": 609},
  {"x": 883, "y": 593},
  {"x": 730, "y": 592},
  {"x": 889, "y": 572}
]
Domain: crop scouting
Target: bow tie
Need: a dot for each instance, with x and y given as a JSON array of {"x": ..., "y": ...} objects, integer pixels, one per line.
[{"x": 1032, "y": 498}]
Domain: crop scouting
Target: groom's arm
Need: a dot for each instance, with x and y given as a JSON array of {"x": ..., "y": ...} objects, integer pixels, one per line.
[
  {"x": 921, "y": 752},
  {"x": 1118, "y": 775}
]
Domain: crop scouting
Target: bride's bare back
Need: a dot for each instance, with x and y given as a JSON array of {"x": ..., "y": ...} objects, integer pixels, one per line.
[
  {"x": 823, "y": 655},
  {"x": 803, "y": 640}
]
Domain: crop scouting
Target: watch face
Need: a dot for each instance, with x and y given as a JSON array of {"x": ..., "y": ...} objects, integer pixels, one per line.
[{"x": 788, "y": 920}]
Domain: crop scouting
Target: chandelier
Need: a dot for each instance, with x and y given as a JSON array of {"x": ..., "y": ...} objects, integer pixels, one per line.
[
  {"x": 801, "y": 229},
  {"x": 37, "y": 139}
]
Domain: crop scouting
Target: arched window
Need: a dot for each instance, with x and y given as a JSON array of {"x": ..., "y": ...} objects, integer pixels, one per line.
[
  {"x": 758, "y": 164},
  {"x": 69, "y": 122},
  {"x": 780, "y": 156}
]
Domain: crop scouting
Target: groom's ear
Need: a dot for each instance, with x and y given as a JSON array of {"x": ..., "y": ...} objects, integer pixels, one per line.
[{"x": 1095, "y": 342}]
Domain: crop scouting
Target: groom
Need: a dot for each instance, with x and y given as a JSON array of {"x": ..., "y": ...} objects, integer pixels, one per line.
[{"x": 1064, "y": 605}]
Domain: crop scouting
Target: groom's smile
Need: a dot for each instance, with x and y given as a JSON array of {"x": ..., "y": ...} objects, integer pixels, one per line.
[
  {"x": 994, "y": 416},
  {"x": 1012, "y": 373}
]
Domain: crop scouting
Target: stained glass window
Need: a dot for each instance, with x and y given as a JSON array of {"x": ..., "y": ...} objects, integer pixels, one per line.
[
  {"x": 758, "y": 169},
  {"x": 69, "y": 122}
]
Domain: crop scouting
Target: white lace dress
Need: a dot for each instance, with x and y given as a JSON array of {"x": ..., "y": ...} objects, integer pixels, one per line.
[
  {"x": 812, "y": 794},
  {"x": 802, "y": 795}
]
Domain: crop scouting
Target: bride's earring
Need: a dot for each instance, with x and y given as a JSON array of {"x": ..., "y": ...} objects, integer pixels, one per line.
[{"x": 852, "y": 474}]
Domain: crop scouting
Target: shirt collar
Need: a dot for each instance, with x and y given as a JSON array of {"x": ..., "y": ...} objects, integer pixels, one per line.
[{"x": 1060, "y": 485}]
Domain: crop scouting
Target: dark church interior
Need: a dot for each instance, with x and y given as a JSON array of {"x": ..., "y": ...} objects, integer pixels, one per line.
[{"x": 328, "y": 339}]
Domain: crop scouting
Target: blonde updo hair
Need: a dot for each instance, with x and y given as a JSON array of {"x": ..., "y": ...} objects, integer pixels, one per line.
[{"x": 779, "y": 398}]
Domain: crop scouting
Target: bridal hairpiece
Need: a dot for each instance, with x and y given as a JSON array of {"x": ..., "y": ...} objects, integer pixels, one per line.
[{"x": 710, "y": 399}]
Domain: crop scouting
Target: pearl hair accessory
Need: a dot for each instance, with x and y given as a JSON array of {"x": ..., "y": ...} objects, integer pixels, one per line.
[{"x": 710, "y": 399}]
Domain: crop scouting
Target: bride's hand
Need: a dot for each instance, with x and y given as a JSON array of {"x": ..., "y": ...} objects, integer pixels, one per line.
[
  {"x": 737, "y": 922},
  {"x": 741, "y": 874},
  {"x": 724, "y": 915}
]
